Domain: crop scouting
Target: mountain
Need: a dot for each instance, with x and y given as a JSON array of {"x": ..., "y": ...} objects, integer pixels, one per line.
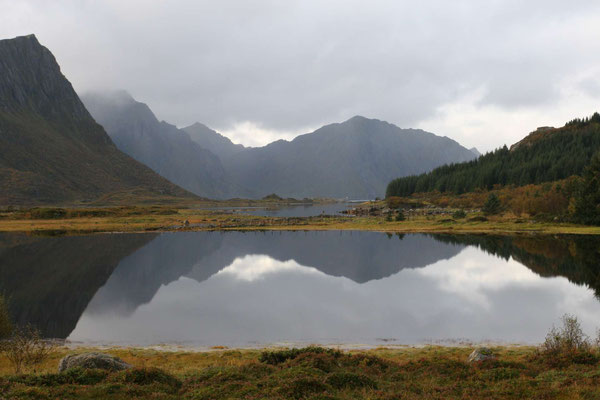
[
  {"x": 166, "y": 149},
  {"x": 51, "y": 149},
  {"x": 212, "y": 140},
  {"x": 475, "y": 151},
  {"x": 355, "y": 159},
  {"x": 545, "y": 155}
]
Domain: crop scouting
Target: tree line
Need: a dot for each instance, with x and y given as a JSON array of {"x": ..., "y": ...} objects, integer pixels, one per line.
[{"x": 544, "y": 157}]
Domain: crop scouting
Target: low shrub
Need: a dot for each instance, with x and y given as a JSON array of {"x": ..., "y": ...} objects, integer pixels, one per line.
[
  {"x": 460, "y": 214},
  {"x": 73, "y": 376},
  {"x": 303, "y": 387},
  {"x": 281, "y": 356},
  {"x": 321, "y": 361},
  {"x": 349, "y": 380},
  {"x": 48, "y": 213},
  {"x": 367, "y": 362},
  {"x": 478, "y": 219},
  {"x": 147, "y": 376},
  {"x": 25, "y": 348},
  {"x": 568, "y": 345}
]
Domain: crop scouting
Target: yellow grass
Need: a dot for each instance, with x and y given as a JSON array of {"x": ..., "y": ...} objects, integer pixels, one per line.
[{"x": 206, "y": 220}]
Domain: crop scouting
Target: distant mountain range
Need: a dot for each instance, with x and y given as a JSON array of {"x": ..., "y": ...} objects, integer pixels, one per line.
[
  {"x": 51, "y": 149},
  {"x": 53, "y": 152},
  {"x": 354, "y": 159}
]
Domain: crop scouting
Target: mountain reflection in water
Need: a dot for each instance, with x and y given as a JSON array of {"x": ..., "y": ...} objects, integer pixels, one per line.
[{"x": 235, "y": 288}]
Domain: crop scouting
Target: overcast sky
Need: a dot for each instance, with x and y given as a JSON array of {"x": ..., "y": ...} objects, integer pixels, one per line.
[{"x": 484, "y": 73}]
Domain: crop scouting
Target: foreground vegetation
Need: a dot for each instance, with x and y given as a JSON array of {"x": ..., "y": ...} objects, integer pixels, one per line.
[{"x": 316, "y": 373}]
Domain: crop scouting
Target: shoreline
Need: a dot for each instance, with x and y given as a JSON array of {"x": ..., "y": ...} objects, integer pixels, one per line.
[
  {"x": 342, "y": 346},
  {"x": 197, "y": 220}
]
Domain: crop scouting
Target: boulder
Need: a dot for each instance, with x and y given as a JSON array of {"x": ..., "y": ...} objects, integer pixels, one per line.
[
  {"x": 92, "y": 361},
  {"x": 481, "y": 354}
]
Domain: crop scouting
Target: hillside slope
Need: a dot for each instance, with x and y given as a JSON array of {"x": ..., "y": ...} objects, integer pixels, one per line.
[
  {"x": 545, "y": 155},
  {"x": 211, "y": 140},
  {"x": 355, "y": 159},
  {"x": 51, "y": 149},
  {"x": 163, "y": 147}
]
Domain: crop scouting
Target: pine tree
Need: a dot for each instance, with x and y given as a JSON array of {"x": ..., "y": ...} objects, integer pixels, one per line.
[
  {"x": 587, "y": 201},
  {"x": 492, "y": 205}
]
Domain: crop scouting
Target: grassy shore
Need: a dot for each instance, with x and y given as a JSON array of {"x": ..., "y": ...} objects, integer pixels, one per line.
[
  {"x": 405, "y": 373},
  {"x": 163, "y": 218}
]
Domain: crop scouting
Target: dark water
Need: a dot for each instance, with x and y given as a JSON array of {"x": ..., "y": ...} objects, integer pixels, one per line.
[
  {"x": 246, "y": 289},
  {"x": 300, "y": 210}
]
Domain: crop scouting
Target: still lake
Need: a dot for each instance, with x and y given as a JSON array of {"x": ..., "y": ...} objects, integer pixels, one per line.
[{"x": 261, "y": 288}]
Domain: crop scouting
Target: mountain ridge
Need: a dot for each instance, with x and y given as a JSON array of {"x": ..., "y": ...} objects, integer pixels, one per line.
[
  {"x": 51, "y": 149},
  {"x": 168, "y": 150},
  {"x": 355, "y": 158}
]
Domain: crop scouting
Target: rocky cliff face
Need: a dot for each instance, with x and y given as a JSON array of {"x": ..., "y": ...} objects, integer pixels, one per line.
[
  {"x": 31, "y": 80},
  {"x": 51, "y": 149}
]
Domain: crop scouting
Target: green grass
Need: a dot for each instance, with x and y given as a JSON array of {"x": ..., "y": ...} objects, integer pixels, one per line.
[{"x": 315, "y": 373}]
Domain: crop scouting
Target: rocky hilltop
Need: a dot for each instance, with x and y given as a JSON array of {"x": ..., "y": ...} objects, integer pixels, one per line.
[{"x": 51, "y": 149}]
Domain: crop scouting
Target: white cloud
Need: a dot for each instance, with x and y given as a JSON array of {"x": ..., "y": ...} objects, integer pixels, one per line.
[{"x": 255, "y": 266}]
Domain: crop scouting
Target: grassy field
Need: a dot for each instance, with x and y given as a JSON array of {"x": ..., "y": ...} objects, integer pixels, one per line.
[
  {"x": 405, "y": 373},
  {"x": 163, "y": 218}
]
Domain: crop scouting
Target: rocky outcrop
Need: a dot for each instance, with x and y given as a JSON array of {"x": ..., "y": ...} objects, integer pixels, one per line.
[
  {"x": 92, "y": 361},
  {"x": 481, "y": 354}
]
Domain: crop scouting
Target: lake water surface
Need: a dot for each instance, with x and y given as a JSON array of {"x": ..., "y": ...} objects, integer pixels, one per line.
[{"x": 260, "y": 288}]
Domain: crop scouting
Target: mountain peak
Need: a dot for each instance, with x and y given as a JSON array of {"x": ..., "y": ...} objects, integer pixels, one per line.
[
  {"x": 359, "y": 119},
  {"x": 475, "y": 151},
  {"x": 30, "y": 37},
  {"x": 199, "y": 125},
  {"x": 30, "y": 78},
  {"x": 56, "y": 152}
]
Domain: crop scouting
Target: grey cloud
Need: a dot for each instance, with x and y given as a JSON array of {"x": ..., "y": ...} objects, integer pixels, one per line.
[{"x": 297, "y": 64}]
